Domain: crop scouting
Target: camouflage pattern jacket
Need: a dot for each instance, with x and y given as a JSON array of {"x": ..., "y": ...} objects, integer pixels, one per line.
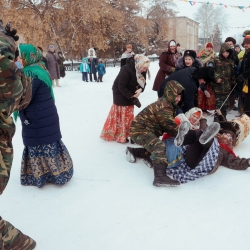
[
  {"x": 15, "y": 94},
  {"x": 158, "y": 117},
  {"x": 223, "y": 69}
]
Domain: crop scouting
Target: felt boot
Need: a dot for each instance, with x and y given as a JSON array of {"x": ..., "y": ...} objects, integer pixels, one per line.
[
  {"x": 182, "y": 131},
  {"x": 210, "y": 133}
]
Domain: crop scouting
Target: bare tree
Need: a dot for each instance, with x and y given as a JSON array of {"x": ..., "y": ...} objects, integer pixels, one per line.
[{"x": 209, "y": 17}]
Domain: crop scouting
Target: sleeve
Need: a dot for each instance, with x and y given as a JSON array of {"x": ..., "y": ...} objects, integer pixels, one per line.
[
  {"x": 123, "y": 79},
  {"x": 163, "y": 63}
]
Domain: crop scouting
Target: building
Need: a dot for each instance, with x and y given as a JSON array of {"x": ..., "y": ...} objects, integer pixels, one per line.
[{"x": 184, "y": 31}]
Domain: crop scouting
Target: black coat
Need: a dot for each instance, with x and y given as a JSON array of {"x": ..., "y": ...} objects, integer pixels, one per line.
[
  {"x": 125, "y": 84},
  {"x": 184, "y": 77},
  {"x": 41, "y": 114}
]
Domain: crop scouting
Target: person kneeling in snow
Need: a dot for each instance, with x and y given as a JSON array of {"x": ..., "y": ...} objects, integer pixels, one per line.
[{"x": 151, "y": 123}]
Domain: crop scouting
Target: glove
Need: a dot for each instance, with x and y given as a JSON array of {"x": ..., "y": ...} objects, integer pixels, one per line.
[
  {"x": 239, "y": 79},
  {"x": 10, "y": 32}
]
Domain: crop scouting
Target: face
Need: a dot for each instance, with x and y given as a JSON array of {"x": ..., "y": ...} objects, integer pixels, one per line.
[
  {"x": 178, "y": 48},
  {"x": 237, "y": 49},
  {"x": 129, "y": 49},
  {"x": 225, "y": 54},
  {"x": 230, "y": 43},
  {"x": 52, "y": 49},
  {"x": 172, "y": 48},
  {"x": 177, "y": 99},
  {"x": 209, "y": 49},
  {"x": 143, "y": 69},
  {"x": 194, "y": 119},
  {"x": 91, "y": 52},
  {"x": 247, "y": 46},
  {"x": 188, "y": 61}
]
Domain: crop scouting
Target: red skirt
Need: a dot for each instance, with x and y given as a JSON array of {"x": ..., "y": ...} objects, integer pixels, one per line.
[
  {"x": 117, "y": 125},
  {"x": 205, "y": 103}
]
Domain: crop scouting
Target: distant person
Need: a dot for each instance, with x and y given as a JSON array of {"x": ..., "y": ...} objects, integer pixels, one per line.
[
  {"x": 167, "y": 64},
  {"x": 126, "y": 54},
  {"x": 178, "y": 47},
  {"x": 84, "y": 68},
  {"x": 53, "y": 66},
  {"x": 92, "y": 61},
  {"x": 43, "y": 58},
  {"x": 60, "y": 61},
  {"x": 101, "y": 70}
]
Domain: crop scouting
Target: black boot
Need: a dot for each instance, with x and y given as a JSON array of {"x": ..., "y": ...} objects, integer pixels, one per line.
[
  {"x": 182, "y": 131},
  {"x": 203, "y": 124},
  {"x": 210, "y": 133},
  {"x": 133, "y": 153},
  {"x": 161, "y": 179}
]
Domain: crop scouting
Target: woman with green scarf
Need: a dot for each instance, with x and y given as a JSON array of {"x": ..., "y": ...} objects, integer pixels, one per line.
[{"x": 45, "y": 157}]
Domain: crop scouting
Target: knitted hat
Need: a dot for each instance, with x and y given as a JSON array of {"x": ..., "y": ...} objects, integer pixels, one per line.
[
  {"x": 190, "y": 53},
  {"x": 209, "y": 45},
  {"x": 128, "y": 46},
  {"x": 172, "y": 43},
  {"x": 51, "y": 46},
  {"x": 246, "y": 40},
  {"x": 230, "y": 39},
  {"x": 237, "y": 46}
]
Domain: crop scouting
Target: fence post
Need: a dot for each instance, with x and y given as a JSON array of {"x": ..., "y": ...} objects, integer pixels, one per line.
[{"x": 72, "y": 65}]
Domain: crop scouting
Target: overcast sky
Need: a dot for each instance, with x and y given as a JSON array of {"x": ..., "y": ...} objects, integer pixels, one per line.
[{"x": 237, "y": 18}]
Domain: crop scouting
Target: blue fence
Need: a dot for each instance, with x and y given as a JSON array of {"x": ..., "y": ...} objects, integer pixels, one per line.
[{"x": 74, "y": 66}]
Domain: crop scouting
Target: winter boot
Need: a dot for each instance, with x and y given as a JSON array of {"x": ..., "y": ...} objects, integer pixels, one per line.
[
  {"x": 203, "y": 124},
  {"x": 182, "y": 131},
  {"x": 210, "y": 133},
  {"x": 161, "y": 179},
  {"x": 133, "y": 153}
]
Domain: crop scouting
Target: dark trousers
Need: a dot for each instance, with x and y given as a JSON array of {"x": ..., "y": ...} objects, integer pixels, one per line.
[
  {"x": 99, "y": 78},
  {"x": 90, "y": 76},
  {"x": 85, "y": 76},
  {"x": 220, "y": 98}
]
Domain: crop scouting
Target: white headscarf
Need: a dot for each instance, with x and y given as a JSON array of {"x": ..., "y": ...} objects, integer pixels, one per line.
[{"x": 141, "y": 61}]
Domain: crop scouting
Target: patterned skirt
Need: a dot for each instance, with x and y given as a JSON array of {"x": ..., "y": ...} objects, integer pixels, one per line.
[
  {"x": 47, "y": 163},
  {"x": 117, "y": 125},
  {"x": 205, "y": 103}
]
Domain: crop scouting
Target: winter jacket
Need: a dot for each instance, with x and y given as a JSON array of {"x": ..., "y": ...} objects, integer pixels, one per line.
[
  {"x": 158, "y": 117},
  {"x": 167, "y": 64},
  {"x": 52, "y": 64},
  {"x": 223, "y": 69},
  {"x": 92, "y": 61},
  {"x": 125, "y": 84},
  {"x": 184, "y": 77},
  {"x": 101, "y": 69},
  {"x": 40, "y": 121},
  {"x": 84, "y": 67},
  {"x": 60, "y": 61}
]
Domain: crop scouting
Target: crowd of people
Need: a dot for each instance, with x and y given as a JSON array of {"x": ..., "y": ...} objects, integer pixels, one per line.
[{"x": 175, "y": 137}]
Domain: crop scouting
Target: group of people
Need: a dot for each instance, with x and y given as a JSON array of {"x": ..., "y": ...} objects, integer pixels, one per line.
[
  {"x": 28, "y": 93},
  {"x": 90, "y": 66},
  {"x": 186, "y": 84}
]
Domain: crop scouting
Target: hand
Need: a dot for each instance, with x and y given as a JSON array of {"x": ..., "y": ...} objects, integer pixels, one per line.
[
  {"x": 218, "y": 112},
  {"x": 11, "y": 33},
  {"x": 137, "y": 93},
  {"x": 218, "y": 80}
]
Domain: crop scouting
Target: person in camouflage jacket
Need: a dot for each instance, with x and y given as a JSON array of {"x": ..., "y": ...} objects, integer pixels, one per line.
[
  {"x": 151, "y": 123},
  {"x": 224, "y": 77},
  {"x": 15, "y": 92}
]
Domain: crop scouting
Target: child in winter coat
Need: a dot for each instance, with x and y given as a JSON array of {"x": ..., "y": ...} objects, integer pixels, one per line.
[
  {"x": 84, "y": 68},
  {"x": 101, "y": 70}
]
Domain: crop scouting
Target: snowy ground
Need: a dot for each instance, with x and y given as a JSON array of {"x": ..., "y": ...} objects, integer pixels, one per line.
[{"x": 111, "y": 204}]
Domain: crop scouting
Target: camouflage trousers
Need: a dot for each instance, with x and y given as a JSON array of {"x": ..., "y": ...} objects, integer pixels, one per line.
[
  {"x": 13, "y": 239},
  {"x": 152, "y": 144}
]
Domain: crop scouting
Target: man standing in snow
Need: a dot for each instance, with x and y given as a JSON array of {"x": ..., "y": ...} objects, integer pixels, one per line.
[{"x": 15, "y": 93}]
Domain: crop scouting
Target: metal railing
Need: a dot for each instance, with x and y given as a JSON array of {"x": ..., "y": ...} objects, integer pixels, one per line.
[{"x": 75, "y": 66}]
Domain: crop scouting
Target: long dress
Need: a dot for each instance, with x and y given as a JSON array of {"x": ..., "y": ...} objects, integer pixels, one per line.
[{"x": 45, "y": 158}]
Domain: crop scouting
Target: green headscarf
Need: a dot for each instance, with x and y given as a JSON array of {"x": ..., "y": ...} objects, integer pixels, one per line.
[{"x": 33, "y": 66}]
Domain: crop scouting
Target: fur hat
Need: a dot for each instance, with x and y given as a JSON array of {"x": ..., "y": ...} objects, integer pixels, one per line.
[
  {"x": 190, "y": 53},
  {"x": 209, "y": 45},
  {"x": 230, "y": 39}
]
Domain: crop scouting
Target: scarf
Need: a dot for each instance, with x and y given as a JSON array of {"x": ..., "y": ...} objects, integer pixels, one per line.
[
  {"x": 33, "y": 67},
  {"x": 206, "y": 56},
  {"x": 140, "y": 62}
]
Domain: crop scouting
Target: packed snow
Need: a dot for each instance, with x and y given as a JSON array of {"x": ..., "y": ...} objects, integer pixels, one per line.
[{"x": 111, "y": 204}]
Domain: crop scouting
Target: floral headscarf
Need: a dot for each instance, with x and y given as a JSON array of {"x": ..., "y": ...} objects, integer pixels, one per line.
[
  {"x": 141, "y": 61},
  {"x": 33, "y": 66}
]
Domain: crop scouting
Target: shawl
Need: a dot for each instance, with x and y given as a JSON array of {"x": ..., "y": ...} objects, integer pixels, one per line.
[{"x": 140, "y": 62}]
